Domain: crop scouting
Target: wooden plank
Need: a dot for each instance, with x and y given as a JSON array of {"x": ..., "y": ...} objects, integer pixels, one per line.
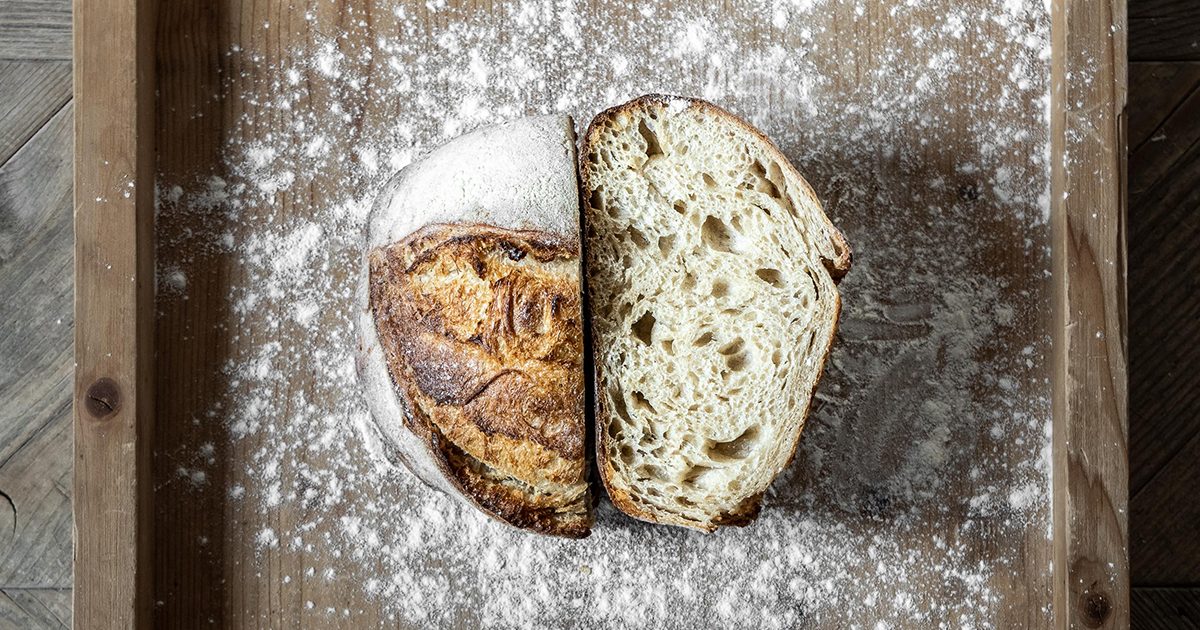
[
  {"x": 1174, "y": 38},
  {"x": 1174, "y": 137},
  {"x": 114, "y": 285},
  {"x": 1156, "y": 89},
  {"x": 36, "y": 480},
  {"x": 30, "y": 93},
  {"x": 1091, "y": 586},
  {"x": 35, "y": 29},
  {"x": 1164, "y": 515},
  {"x": 35, "y": 270},
  {"x": 1160, "y": 8},
  {"x": 1165, "y": 609},
  {"x": 35, "y": 609},
  {"x": 35, "y": 375},
  {"x": 1164, "y": 315}
]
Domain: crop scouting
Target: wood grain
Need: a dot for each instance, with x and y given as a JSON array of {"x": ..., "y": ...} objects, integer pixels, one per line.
[
  {"x": 114, "y": 291},
  {"x": 1156, "y": 89},
  {"x": 1090, "y": 384},
  {"x": 1164, "y": 313},
  {"x": 1164, "y": 519},
  {"x": 1165, "y": 609},
  {"x": 1172, "y": 38},
  {"x": 35, "y": 609},
  {"x": 1165, "y": 322},
  {"x": 35, "y": 372},
  {"x": 35, "y": 29},
  {"x": 30, "y": 93}
]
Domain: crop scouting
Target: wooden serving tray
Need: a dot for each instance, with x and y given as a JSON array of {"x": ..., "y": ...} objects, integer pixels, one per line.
[{"x": 965, "y": 463}]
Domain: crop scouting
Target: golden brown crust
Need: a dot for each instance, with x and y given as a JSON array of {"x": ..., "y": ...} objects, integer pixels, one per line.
[
  {"x": 481, "y": 332},
  {"x": 746, "y": 512}
]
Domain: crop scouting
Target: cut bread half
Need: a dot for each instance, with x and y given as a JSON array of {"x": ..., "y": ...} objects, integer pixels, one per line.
[
  {"x": 711, "y": 272},
  {"x": 470, "y": 329}
]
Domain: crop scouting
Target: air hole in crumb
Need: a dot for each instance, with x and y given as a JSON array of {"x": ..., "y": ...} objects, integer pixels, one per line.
[
  {"x": 720, "y": 288},
  {"x": 666, "y": 244},
  {"x": 668, "y": 346},
  {"x": 736, "y": 222},
  {"x": 776, "y": 357},
  {"x": 640, "y": 402},
  {"x": 618, "y": 403},
  {"x": 715, "y": 234},
  {"x": 696, "y": 475},
  {"x": 626, "y": 454},
  {"x": 733, "y": 347},
  {"x": 679, "y": 207},
  {"x": 689, "y": 281},
  {"x": 739, "y": 447},
  {"x": 638, "y": 238},
  {"x": 650, "y": 471},
  {"x": 596, "y": 200},
  {"x": 737, "y": 362},
  {"x": 703, "y": 340},
  {"x": 773, "y": 277},
  {"x": 643, "y": 328},
  {"x": 708, "y": 180},
  {"x": 652, "y": 146}
]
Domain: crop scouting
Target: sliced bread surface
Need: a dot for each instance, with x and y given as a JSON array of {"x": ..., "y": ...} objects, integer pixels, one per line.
[{"x": 711, "y": 270}]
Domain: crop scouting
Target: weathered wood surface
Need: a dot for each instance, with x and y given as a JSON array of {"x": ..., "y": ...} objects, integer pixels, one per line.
[
  {"x": 1166, "y": 608},
  {"x": 1090, "y": 382},
  {"x": 1164, "y": 312},
  {"x": 114, "y": 312},
  {"x": 35, "y": 362},
  {"x": 35, "y": 29},
  {"x": 30, "y": 93},
  {"x": 35, "y": 608}
]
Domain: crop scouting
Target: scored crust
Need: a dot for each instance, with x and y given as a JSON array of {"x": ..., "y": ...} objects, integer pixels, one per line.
[
  {"x": 834, "y": 254},
  {"x": 481, "y": 331},
  {"x": 471, "y": 342}
]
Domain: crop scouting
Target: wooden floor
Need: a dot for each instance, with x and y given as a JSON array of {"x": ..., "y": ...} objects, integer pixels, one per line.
[{"x": 36, "y": 309}]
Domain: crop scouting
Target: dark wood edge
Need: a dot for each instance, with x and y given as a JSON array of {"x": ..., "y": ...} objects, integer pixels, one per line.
[
  {"x": 1090, "y": 391},
  {"x": 114, "y": 312}
]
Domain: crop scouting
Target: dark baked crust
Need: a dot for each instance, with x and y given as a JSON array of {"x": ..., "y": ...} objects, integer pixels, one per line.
[
  {"x": 481, "y": 332},
  {"x": 746, "y": 512}
]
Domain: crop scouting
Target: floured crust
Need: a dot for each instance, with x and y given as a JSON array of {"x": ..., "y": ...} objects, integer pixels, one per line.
[
  {"x": 468, "y": 314},
  {"x": 482, "y": 335},
  {"x": 836, "y": 260}
]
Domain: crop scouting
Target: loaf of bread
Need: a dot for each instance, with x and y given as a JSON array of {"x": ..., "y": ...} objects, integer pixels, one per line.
[
  {"x": 469, "y": 318},
  {"x": 711, "y": 271}
]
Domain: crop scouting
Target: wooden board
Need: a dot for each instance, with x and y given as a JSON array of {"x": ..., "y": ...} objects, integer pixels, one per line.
[
  {"x": 1091, "y": 387},
  {"x": 114, "y": 312},
  {"x": 220, "y": 65}
]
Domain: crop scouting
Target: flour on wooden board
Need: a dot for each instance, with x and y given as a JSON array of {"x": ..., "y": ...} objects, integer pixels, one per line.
[{"x": 928, "y": 448}]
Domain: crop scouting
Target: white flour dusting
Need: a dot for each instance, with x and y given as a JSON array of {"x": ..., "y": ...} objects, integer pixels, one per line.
[{"x": 925, "y": 464}]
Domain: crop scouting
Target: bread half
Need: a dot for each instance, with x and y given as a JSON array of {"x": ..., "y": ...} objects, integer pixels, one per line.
[
  {"x": 711, "y": 271},
  {"x": 469, "y": 317}
]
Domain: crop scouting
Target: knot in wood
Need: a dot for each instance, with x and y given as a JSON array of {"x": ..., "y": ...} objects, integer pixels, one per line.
[
  {"x": 103, "y": 399},
  {"x": 1096, "y": 608}
]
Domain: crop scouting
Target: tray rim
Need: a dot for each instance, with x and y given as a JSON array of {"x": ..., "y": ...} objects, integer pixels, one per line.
[{"x": 113, "y": 398}]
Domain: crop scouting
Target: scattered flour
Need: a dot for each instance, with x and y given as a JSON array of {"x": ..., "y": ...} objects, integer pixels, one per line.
[{"x": 926, "y": 461}]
